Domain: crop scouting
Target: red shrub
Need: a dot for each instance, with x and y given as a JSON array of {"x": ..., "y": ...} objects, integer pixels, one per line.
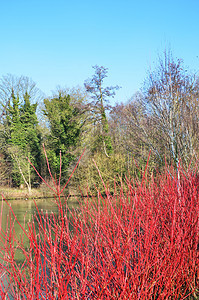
[{"x": 140, "y": 243}]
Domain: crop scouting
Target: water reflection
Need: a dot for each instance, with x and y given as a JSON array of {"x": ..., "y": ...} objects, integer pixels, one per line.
[{"x": 26, "y": 210}]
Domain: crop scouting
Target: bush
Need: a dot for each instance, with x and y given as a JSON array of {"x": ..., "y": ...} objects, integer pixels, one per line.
[{"x": 139, "y": 243}]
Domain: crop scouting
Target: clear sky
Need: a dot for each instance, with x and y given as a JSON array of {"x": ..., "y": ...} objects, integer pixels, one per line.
[{"x": 58, "y": 42}]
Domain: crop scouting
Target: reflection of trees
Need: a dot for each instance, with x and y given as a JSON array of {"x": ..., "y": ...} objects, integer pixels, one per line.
[{"x": 25, "y": 211}]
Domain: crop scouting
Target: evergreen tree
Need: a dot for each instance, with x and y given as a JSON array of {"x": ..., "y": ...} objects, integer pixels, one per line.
[
  {"x": 32, "y": 136},
  {"x": 65, "y": 127},
  {"x": 14, "y": 121},
  {"x": 22, "y": 138}
]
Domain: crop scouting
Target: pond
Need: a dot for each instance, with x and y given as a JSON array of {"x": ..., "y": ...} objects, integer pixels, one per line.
[
  {"x": 25, "y": 211},
  {"x": 27, "y": 208}
]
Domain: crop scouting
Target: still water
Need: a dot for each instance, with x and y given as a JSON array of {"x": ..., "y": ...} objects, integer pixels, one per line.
[{"x": 25, "y": 211}]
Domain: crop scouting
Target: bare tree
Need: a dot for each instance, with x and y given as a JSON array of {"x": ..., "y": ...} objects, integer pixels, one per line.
[
  {"x": 163, "y": 117},
  {"x": 100, "y": 103},
  {"x": 171, "y": 103},
  {"x": 19, "y": 85}
]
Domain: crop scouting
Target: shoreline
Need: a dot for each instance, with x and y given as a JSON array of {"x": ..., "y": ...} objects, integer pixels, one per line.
[
  {"x": 12, "y": 194},
  {"x": 23, "y": 194}
]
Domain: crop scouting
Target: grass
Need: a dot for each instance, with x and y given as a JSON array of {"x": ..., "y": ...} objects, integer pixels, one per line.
[
  {"x": 140, "y": 243},
  {"x": 17, "y": 193}
]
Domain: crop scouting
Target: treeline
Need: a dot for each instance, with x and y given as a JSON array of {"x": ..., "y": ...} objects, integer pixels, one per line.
[{"x": 163, "y": 117}]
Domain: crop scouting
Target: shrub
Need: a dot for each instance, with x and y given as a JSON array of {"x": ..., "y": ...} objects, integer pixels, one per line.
[{"x": 142, "y": 242}]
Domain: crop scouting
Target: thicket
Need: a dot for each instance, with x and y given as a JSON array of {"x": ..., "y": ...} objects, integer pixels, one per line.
[{"x": 141, "y": 242}]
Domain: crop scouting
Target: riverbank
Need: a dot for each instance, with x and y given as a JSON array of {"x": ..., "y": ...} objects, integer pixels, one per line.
[
  {"x": 42, "y": 192},
  {"x": 23, "y": 194}
]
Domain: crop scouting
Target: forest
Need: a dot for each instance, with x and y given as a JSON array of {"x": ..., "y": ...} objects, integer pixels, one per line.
[
  {"x": 134, "y": 234},
  {"x": 161, "y": 118}
]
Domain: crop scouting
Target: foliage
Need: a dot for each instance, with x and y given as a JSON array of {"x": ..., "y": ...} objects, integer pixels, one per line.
[
  {"x": 112, "y": 170},
  {"x": 21, "y": 136},
  {"x": 65, "y": 130},
  {"x": 162, "y": 118}
]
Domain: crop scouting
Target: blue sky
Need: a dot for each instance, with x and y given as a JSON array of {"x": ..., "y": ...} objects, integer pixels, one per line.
[{"x": 58, "y": 42}]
